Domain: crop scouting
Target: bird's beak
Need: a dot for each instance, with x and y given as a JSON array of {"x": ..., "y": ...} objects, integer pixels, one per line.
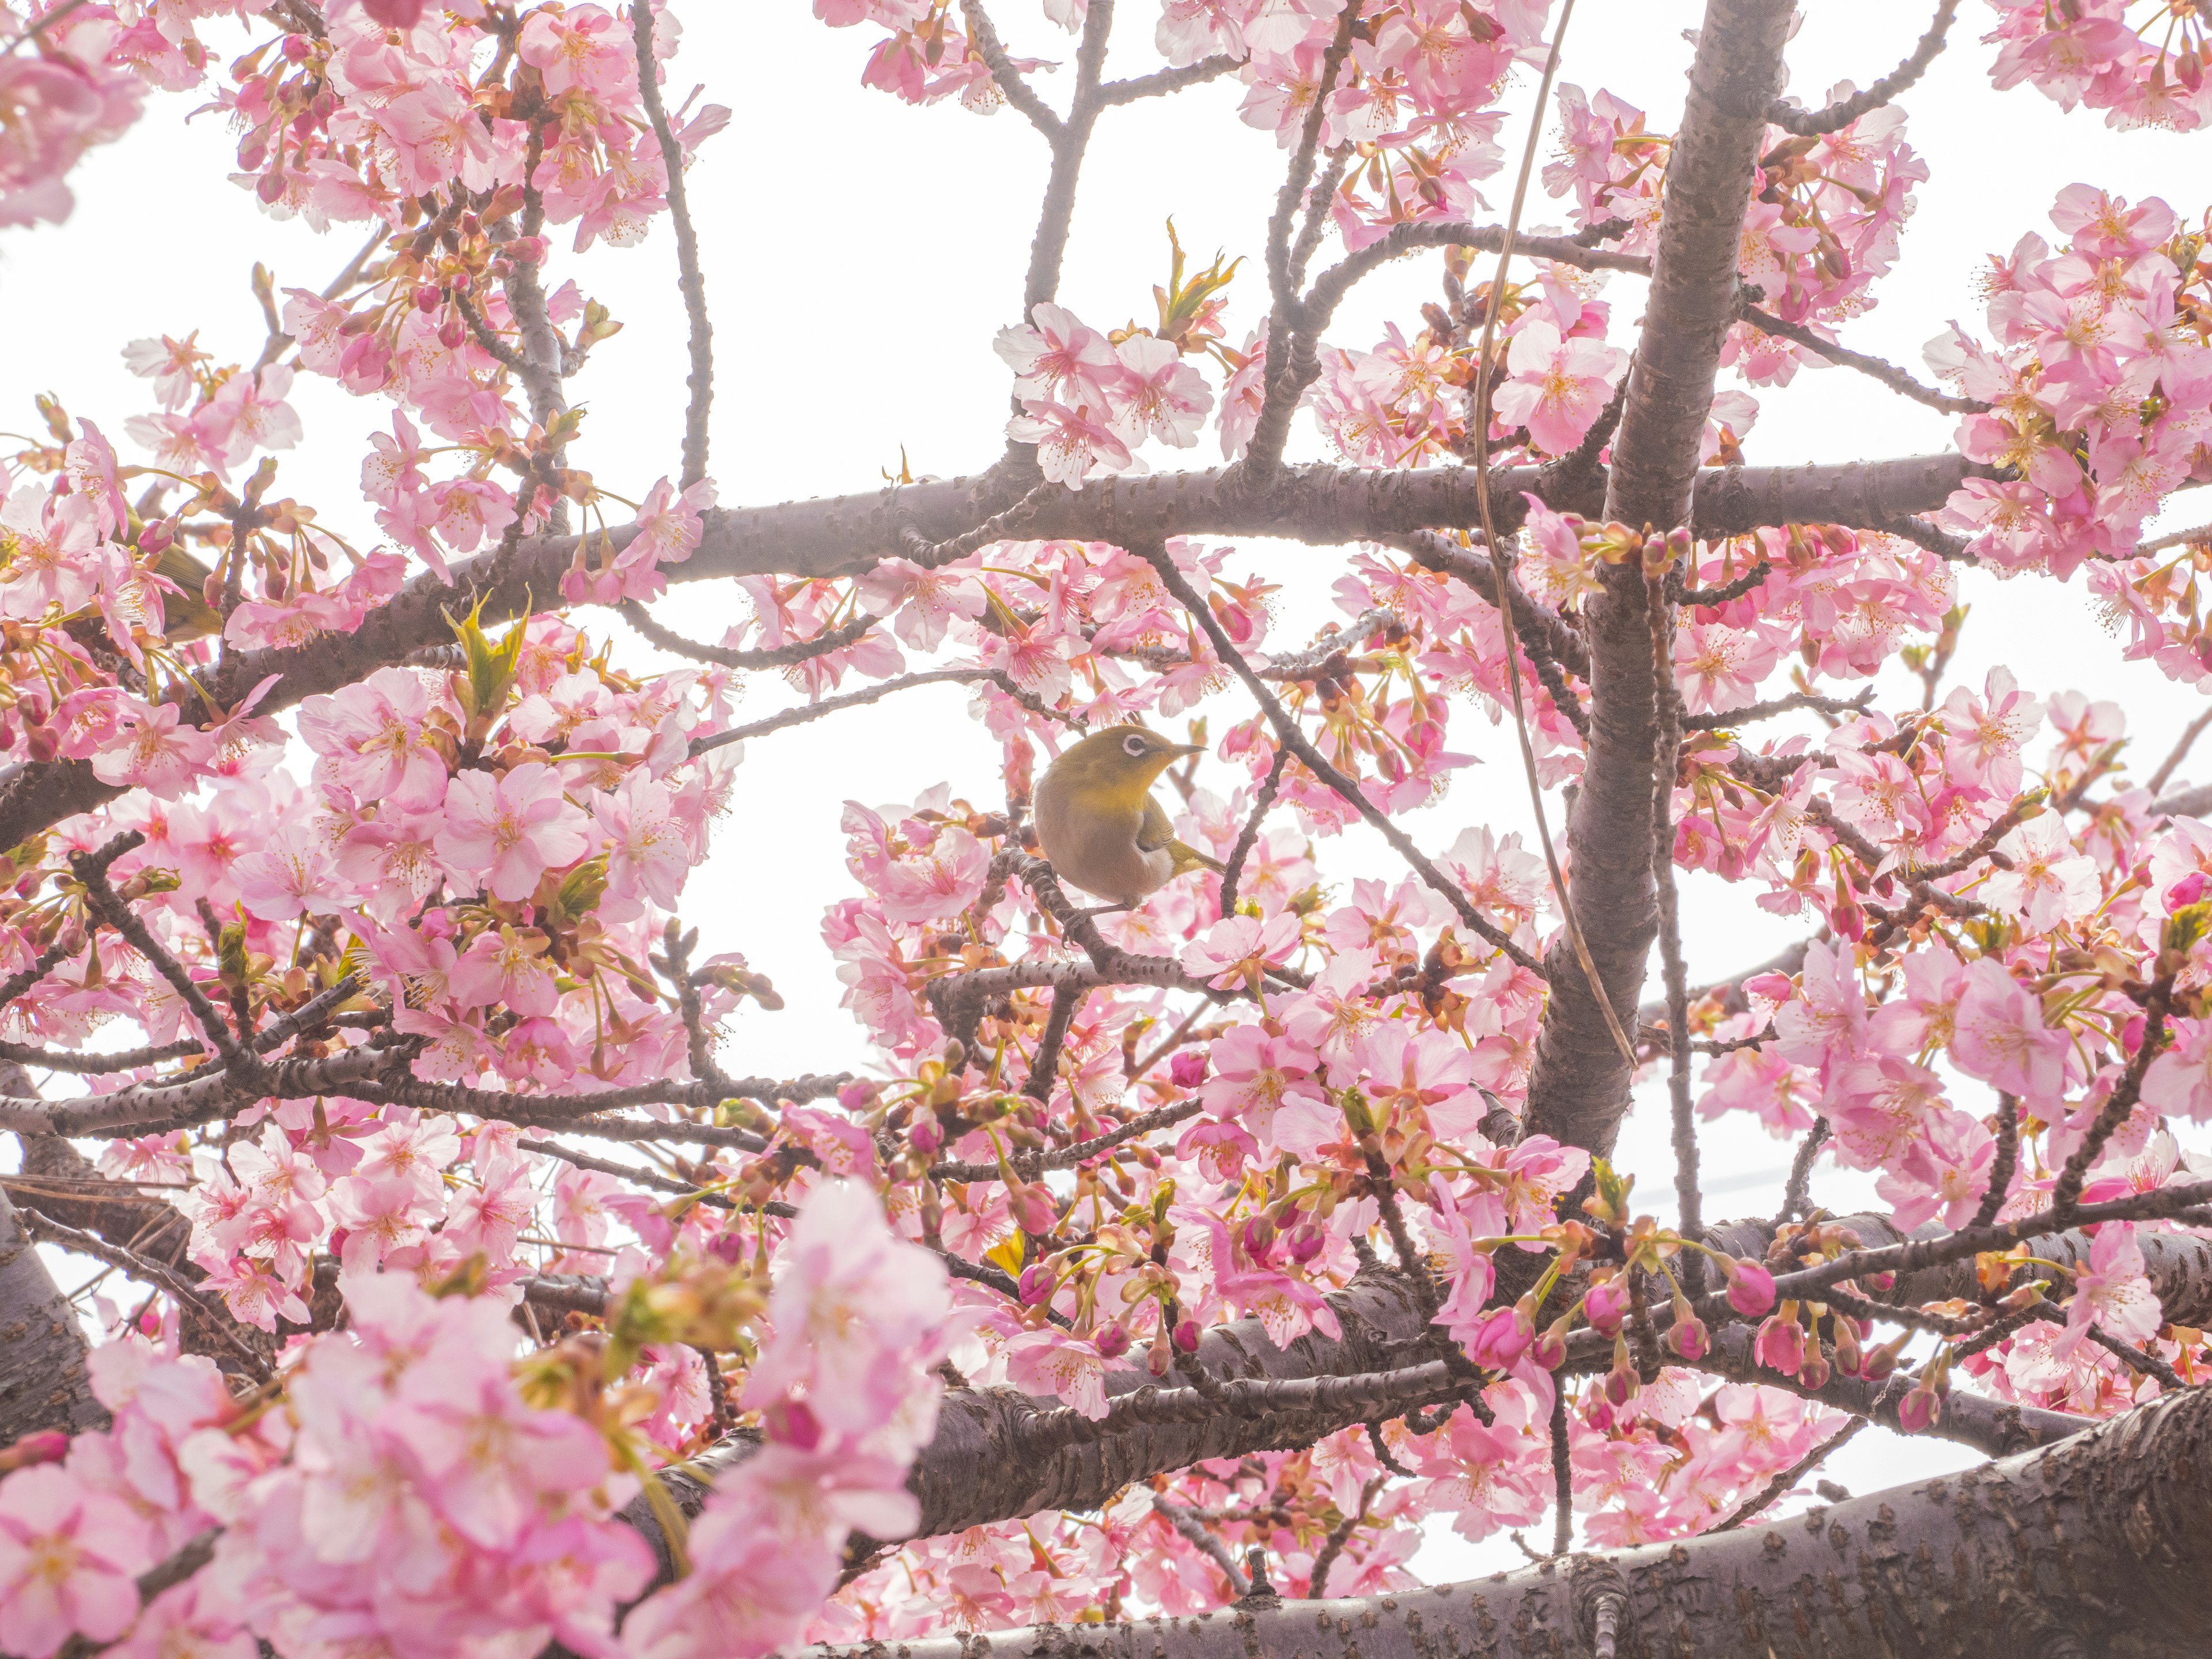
[{"x": 1183, "y": 749}]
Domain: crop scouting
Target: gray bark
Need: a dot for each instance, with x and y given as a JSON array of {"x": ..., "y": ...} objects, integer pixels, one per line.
[
  {"x": 2101, "y": 1544},
  {"x": 1578, "y": 1085},
  {"x": 44, "y": 1383}
]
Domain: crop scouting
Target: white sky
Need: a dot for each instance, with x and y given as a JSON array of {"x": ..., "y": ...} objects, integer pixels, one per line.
[{"x": 860, "y": 254}]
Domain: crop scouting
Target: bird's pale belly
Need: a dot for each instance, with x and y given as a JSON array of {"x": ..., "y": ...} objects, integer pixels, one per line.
[{"x": 1097, "y": 853}]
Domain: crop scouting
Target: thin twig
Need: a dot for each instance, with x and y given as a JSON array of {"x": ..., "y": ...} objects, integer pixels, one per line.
[
  {"x": 1887, "y": 372},
  {"x": 1289, "y": 734},
  {"x": 145, "y": 1269},
  {"x": 2006, "y": 1161},
  {"x": 815, "y": 711},
  {"x": 1666, "y": 750},
  {"x": 1338, "y": 1536},
  {"x": 1791, "y": 1476},
  {"x": 1232, "y": 869},
  {"x": 1563, "y": 1489},
  {"x": 1727, "y": 718},
  {"x": 692, "y": 284},
  {"x": 1044, "y": 1069},
  {"x": 1498, "y": 565},
  {"x": 1193, "y": 1533},
  {"x": 1811, "y": 124},
  {"x": 2138, "y": 1360},
  {"x": 2179, "y": 751},
  {"x": 2066, "y": 1193},
  {"x": 723, "y": 656},
  {"x": 1796, "y": 1197}
]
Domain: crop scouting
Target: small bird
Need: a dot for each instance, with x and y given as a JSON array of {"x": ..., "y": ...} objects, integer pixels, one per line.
[{"x": 1098, "y": 823}]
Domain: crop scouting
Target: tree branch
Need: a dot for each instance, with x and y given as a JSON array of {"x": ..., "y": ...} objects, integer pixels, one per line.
[
  {"x": 2103, "y": 1539},
  {"x": 1792, "y": 118},
  {"x": 690, "y": 282},
  {"x": 1578, "y": 1084}
]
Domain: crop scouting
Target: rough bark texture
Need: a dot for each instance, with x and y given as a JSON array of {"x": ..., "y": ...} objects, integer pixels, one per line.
[
  {"x": 2099, "y": 1545},
  {"x": 1578, "y": 1086},
  {"x": 43, "y": 1381}
]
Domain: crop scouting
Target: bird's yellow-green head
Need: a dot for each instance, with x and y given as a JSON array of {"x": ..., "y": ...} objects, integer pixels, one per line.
[{"x": 1120, "y": 764}]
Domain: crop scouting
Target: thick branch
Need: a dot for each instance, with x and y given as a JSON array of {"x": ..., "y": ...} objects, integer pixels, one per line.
[
  {"x": 2102, "y": 1543},
  {"x": 848, "y": 535}
]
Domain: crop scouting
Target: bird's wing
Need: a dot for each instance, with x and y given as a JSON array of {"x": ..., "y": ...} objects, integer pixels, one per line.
[{"x": 1155, "y": 832}]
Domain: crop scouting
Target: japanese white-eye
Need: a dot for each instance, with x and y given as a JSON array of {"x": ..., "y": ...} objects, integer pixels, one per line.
[{"x": 1097, "y": 820}]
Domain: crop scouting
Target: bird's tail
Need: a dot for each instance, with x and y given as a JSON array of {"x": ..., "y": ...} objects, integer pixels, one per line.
[{"x": 1188, "y": 857}]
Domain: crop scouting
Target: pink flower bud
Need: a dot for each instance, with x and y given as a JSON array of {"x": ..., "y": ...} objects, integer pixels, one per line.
[
  {"x": 2186, "y": 892},
  {"x": 1750, "y": 1287},
  {"x": 39, "y": 1446},
  {"x": 727, "y": 1246},
  {"x": 1816, "y": 1371},
  {"x": 452, "y": 333},
  {"x": 1621, "y": 1382},
  {"x": 1606, "y": 1306},
  {"x": 1883, "y": 1282},
  {"x": 1689, "y": 1338},
  {"x": 1780, "y": 1346},
  {"x": 925, "y": 1135},
  {"x": 271, "y": 186},
  {"x": 1035, "y": 1285},
  {"x": 429, "y": 297},
  {"x": 1158, "y": 1358},
  {"x": 1549, "y": 1349},
  {"x": 1030, "y": 1207},
  {"x": 1918, "y": 1411},
  {"x": 1598, "y": 1414},
  {"x": 1186, "y": 1336},
  {"x": 297, "y": 48},
  {"x": 1502, "y": 1337},
  {"x": 1303, "y": 1242},
  {"x": 1257, "y": 1236},
  {"x": 1187, "y": 1069},
  {"x": 1112, "y": 1342}
]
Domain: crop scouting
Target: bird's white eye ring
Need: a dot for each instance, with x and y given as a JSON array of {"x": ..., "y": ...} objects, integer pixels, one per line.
[{"x": 1134, "y": 746}]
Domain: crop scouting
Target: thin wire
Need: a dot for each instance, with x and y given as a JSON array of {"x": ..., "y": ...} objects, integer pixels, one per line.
[{"x": 1497, "y": 548}]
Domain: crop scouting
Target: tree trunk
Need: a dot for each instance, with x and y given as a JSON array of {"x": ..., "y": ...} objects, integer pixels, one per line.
[
  {"x": 44, "y": 1383},
  {"x": 1579, "y": 1085}
]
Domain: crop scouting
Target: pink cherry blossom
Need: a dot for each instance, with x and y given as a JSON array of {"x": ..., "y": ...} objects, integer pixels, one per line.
[{"x": 515, "y": 828}]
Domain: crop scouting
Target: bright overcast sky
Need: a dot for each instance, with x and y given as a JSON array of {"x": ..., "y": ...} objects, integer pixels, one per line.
[{"x": 860, "y": 255}]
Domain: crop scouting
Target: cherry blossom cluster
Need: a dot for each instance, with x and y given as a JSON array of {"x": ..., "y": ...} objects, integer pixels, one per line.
[
  {"x": 414, "y": 1369},
  {"x": 2096, "y": 388},
  {"x": 72, "y": 77},
  {"x": 1824, "y": 224},
  {"x": 416, "y": 1481},
  {"x": 2142, "y": 65}
]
